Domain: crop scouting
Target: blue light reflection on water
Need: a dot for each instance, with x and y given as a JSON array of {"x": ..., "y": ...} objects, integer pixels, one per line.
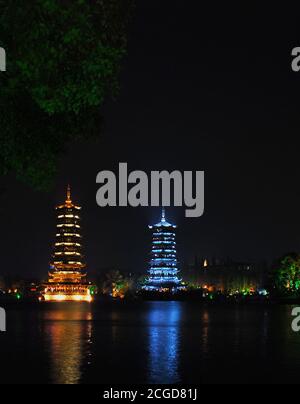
[{"x": 164, "y": 342}]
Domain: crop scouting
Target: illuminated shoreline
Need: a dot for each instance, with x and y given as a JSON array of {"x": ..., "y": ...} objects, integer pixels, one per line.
[{"x": 67, "y": 298}]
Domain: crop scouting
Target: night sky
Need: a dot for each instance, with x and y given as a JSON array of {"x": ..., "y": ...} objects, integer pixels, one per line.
[{"x": 201, "y": 89}]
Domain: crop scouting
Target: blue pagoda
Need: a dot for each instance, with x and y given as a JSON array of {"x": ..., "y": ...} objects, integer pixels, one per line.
[{"x": 163, "y": 265}]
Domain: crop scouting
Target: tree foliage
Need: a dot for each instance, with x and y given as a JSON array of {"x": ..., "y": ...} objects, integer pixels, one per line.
[
  {"x": 116, "y": 285},
  {"x": 63, "y": 62},
  {"x": 287, "y": 274}
]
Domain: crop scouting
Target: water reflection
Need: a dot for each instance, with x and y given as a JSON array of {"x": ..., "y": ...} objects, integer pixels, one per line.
[
  {"x": 68, "y": 330},
  {"x": 205, "y": 329},
  {"x": 156, "y": 342},
  {"x": 164, "y": 319}
]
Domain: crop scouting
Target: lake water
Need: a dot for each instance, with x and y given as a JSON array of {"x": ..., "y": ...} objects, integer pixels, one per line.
[{"x": 149, "y": 342}]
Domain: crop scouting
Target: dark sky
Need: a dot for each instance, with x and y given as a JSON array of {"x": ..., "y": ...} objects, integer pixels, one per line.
[{"x": 203, "y": 89}]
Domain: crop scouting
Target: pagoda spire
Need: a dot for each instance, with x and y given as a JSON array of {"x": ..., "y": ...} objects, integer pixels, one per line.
[
  {"x": 163, "y": 214},
  {"x": 69, "y": 200}
]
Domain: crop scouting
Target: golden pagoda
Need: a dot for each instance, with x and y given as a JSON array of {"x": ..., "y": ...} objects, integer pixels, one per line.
[{"x": 67, "y": 275}]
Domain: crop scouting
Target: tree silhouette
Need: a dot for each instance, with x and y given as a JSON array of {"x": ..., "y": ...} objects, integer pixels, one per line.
[{"x": 63, "y": 62}]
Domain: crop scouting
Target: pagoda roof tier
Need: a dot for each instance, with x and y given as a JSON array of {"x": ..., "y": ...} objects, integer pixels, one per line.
[
  {"x": 67, "y": 273},
  {"x": 68, "y": 202},
  {"x": 163, "y": 222},
  {"x": 68, "y": 267},
  {"x": 57, "y": 284}
]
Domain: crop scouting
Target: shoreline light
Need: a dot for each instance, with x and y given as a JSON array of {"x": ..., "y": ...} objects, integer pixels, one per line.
[{"x": 67, "y": 298}]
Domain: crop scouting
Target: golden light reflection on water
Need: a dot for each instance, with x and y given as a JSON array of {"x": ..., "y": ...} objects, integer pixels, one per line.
[
  {"x": 68, "y": 331},
  {"x": 205, "y": 331}
]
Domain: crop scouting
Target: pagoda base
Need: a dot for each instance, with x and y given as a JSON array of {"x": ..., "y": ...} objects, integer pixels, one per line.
[
  {"x": 67, "y": 293},
  {"x": 156, "y": 294},
  {"x": 164, "y": 288}
]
